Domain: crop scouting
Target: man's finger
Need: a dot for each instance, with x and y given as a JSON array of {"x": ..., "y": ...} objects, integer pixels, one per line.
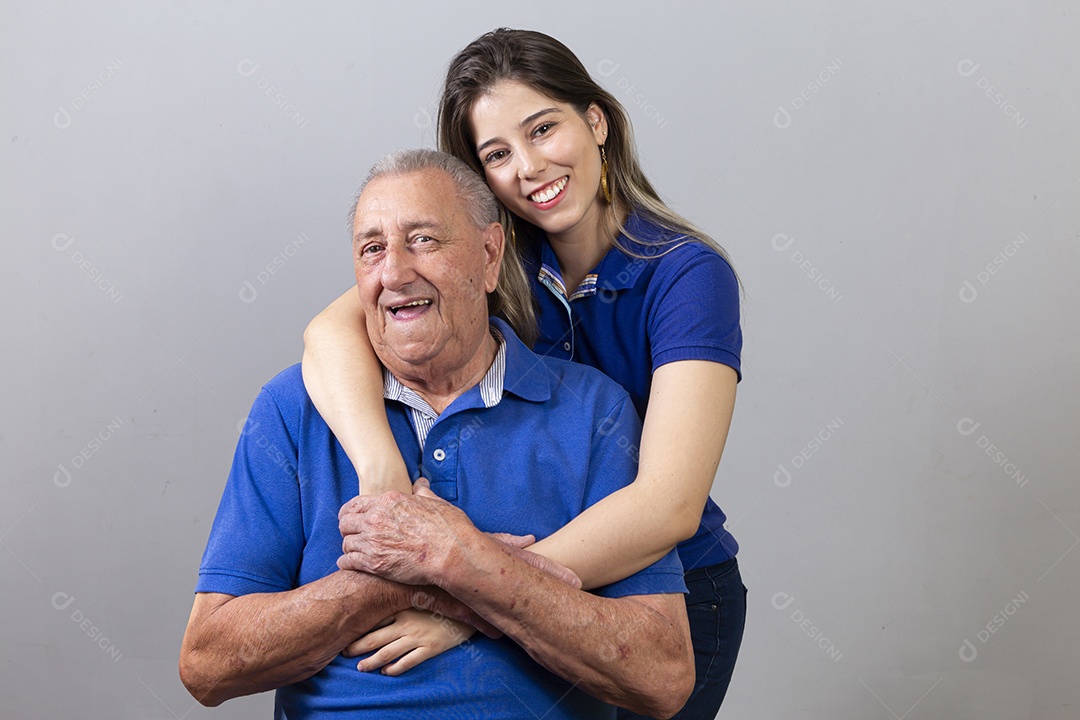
[
  {"x": 347, "y": 525},
  {"x": 560, "y": 572},
  {"x": 351, "y": 561},
  {"x": 515, "y": 541},
  {"x": 422, "y": 488},
  {"x": 355, "y": 505}
]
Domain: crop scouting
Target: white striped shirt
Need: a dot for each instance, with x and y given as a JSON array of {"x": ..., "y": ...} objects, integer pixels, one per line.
[{"x": 423, "y": 415}]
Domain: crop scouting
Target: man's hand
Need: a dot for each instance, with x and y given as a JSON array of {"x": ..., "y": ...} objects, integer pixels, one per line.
[
  {"x": 515, "y": 545},
  {"x": 405, "y": 538},
  {"x": 410, "y": 637},
  {"x": 397, "y": 538}
]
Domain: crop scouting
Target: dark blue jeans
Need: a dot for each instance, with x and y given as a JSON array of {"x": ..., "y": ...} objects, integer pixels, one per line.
[{"x": 716, "y": 607}]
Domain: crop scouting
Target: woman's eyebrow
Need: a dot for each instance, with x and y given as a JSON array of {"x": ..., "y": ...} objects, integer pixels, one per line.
[{"x": 523, "y": 123}]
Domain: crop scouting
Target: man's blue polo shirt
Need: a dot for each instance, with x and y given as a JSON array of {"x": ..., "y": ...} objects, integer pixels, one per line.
[
  {"x": 631, "y": 315},
  {"x": 562, "y": 437}
]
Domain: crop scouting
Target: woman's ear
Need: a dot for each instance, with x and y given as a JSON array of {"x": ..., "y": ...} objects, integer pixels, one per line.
[{"x": 597, "y": 122}]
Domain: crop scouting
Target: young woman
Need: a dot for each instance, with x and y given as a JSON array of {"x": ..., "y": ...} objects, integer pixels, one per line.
[{"x": 620, "y": 282}]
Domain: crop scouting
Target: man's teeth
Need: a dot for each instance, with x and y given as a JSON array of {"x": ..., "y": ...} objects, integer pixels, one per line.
[
  {"x": 414, "y": 303},
  {"x": 549, "y": 192}
]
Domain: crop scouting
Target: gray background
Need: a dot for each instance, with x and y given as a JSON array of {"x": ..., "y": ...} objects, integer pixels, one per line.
[{"x": 905, "y": 223}]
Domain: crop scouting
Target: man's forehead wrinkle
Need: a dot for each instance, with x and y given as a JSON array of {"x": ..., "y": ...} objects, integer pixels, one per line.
[
  {"x": 407, "y": 204},
  {"x": 373, "y": 227},
  {"x": 369, "y": 233}
]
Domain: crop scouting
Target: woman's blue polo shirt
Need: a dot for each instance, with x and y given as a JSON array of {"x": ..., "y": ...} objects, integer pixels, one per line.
[{"x": 631, "y": 315}]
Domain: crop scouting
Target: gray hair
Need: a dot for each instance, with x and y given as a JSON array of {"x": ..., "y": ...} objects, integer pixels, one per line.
[
  {"x": 512, "y": 299},
  {"x": 480, "y": 202}
]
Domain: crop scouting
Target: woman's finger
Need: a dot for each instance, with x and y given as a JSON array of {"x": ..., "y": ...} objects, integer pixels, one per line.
[
  {"x": 386, "y": 654},
  {"x": 372, "y": 641},
  {"x": 408, "y": 661}
]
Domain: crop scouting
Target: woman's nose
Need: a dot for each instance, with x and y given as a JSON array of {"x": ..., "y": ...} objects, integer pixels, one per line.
[{"x": 530, "y": 164}]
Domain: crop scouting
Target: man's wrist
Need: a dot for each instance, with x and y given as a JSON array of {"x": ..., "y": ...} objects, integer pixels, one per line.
[
  {"x": 370, "y": 592},
  {"x": 469, "y": 559}
]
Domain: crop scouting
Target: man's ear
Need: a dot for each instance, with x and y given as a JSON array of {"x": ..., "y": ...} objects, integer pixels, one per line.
[{"x": 494, "y": 246}]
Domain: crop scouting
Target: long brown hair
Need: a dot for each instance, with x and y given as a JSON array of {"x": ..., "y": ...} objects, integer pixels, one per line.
[{"x": 549, "y": 67}]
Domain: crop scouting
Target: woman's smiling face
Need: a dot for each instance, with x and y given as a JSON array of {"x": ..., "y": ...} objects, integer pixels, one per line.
[{"x": 541, "y": 157}]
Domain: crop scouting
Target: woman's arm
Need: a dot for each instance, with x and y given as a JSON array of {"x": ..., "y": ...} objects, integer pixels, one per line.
[
  {"x": 344, "y": 379},
  {"x": 686, "y": 426}
]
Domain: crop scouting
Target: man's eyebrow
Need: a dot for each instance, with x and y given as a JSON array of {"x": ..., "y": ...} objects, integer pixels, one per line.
[
  {"x": 409, "y": 227},
  {"x": 523, "y": 123},
  {"x": 366, "y": 234}
]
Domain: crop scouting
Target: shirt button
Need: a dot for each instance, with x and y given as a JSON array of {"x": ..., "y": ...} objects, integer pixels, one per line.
[
  {"x": 439, "y": 454},
  {"x": 566, "y": 346}
]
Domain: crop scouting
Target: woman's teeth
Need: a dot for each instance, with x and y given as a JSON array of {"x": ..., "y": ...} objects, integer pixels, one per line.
[{"x": 550, "y": 192}]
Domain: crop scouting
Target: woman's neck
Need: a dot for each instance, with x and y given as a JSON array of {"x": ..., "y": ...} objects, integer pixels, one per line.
[{"x": 581, "y": 248}]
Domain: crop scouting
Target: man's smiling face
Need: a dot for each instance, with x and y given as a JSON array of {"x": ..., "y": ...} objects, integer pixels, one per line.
[{"x": 423, "y": 270}]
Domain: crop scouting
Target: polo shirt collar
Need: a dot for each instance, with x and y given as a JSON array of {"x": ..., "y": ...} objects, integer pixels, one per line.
[
  {"x": 516, "y": 369},
  {"x": 491, "y": 385},
  {"x": 526, "y": 375}
]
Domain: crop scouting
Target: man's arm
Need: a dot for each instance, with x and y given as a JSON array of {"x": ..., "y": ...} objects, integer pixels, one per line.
[
  {"x": 633, "y": 651},
  {"x": 242, "y": 645}
]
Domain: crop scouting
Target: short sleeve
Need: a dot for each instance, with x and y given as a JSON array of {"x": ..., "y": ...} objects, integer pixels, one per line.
[
  {"x": 695, "y": 314},
  {"x": 257, "y": 540},
  {"x": 612, "y": 466}
]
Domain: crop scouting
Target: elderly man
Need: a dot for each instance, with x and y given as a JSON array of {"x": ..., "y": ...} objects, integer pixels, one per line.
[{"x": 511, "y": 443}]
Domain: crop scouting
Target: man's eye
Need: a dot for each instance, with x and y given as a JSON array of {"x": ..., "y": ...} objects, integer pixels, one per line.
[
  {"x": 371, "y": 249},
  {"x": 421, "y": 239}
]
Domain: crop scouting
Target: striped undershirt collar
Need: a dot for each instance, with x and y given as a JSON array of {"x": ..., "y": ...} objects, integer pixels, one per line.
[
  {"x": 550, "y": 277},
  {"x": 423, "y": 415}
]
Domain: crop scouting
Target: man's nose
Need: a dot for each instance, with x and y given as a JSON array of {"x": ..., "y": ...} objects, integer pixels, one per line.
[{"x": 397, "y": 267}]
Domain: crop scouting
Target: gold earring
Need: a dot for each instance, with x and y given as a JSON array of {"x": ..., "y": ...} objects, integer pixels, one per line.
[
  {"x": 603, "y": 175},
  {"x": 513, "y": 236}
]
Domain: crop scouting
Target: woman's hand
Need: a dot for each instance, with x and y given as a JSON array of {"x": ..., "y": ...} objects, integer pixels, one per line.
[{"x": 409, "y": 638}]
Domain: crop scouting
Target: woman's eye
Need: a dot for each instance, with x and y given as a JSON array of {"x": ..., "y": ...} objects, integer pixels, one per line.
[
  {"x": 543, "y": 128},
  {"x": 494, "y": 156}
]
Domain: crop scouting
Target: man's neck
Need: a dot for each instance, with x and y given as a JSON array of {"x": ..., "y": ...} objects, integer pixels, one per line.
[{"x": 439, "y": 387}]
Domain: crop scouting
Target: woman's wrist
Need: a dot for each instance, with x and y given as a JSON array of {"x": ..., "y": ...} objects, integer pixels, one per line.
[{"x": 378, "y": 475}]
